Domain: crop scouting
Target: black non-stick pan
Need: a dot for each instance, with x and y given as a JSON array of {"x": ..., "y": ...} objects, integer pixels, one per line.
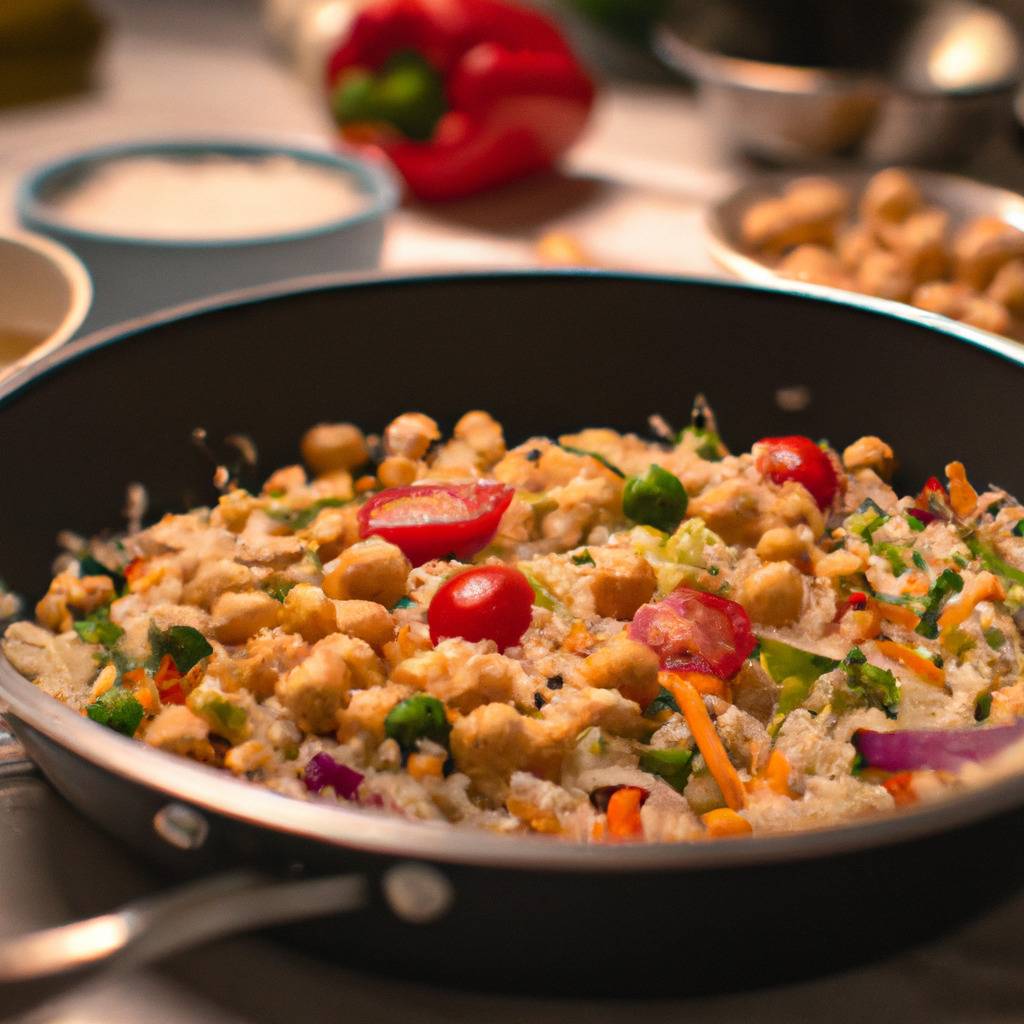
[{"x": 544, "y": 353}]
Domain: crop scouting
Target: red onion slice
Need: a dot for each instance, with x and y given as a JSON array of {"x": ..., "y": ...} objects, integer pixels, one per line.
[
  {"x": 912, "y": 749},
  {"x": 322, "y": 770}
]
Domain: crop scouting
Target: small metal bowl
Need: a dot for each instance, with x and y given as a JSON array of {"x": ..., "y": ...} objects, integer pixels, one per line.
[
  {"x": 963, "y": 198},
  {"x": 884, "y": 81}
]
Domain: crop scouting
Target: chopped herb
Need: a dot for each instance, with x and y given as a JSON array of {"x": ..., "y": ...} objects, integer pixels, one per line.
[
  {"x": 893, "y": 554},
  {"x": 117, "y": 709},
  {"x": 557, "y": 682},
  {"x": 584, "y": 558},
  {"x": 866, "y": 519},
  {"x": 672, "y": 765},
  {"x": 959, "y": 560},
  {"x": 917, "y": 525},
  {"x": 995, "y": 638},
  {"x": 655, "y": 499},
  {"x": 98, "y": 629},
  {"x": 663, "y": 702},
  {"x": 858, "y": 764},
  {"x": 991, "y": 562},
  {"x": 89, "y": 566},
  {"x": 594, "y": 455},
  {"x": 918, "y": 559},
  {"x": 948, "y": 582},
  {"x": 1018, "y": 528},
  {"x": 538, "y": 700},
  {"x": 877, "y": 685},
  {"x": 403, "y": 602},
  {"x": 186, "y": 646},
  {"x": 279, "y": 590},
  {"x": 706, "y": 443},
  {"x": 983, "y": 707},
  {"x": 300, "y": 518}
]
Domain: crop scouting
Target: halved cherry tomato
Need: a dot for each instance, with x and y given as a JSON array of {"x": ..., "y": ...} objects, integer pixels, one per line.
[
  {"x": 436, "y": 520},
  {"x": 800, "y": 459},
  {"x": 696, "y": 631},
  {"x": 167, "y": 681},
  {"x": 491, "y": 602}
]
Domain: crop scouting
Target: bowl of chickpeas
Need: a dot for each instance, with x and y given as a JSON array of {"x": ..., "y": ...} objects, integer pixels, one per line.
[{"x": 945, "y": 244}]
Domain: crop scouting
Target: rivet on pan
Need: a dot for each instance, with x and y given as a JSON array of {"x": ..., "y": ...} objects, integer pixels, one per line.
[
  {"x": 183, "y": 827},
  {"x": 417, "y": 893}
]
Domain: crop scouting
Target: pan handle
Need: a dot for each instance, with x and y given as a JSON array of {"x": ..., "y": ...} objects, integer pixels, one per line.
[{"x": 37, "y": 966}]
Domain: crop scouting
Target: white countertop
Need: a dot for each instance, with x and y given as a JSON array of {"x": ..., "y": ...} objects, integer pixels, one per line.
[{"x": 632, "y": 195}]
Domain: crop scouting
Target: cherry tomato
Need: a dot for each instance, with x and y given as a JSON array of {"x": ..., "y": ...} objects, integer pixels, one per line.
[
  {"x": 491, "y": 602},
  {"x": 800, "y": 459},
  {"x": 695, "y": 631},
  {"x": 436, "y": 520}
]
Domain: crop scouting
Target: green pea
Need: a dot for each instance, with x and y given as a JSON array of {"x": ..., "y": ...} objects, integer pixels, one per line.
[
  {"x": 418, "y": 718},
  {"x": 656, "y": 499}
]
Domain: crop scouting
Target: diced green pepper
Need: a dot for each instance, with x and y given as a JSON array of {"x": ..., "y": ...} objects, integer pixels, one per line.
[
  {"x": 186, "y": 646},
  {"x": 672, "y": 765},
  {"x": 656, "y": 499},
  {"x": 866, "y": 519},
  {"x": 893, "y": 555},
  {"x": 89, "y": 566},
  {"x": 98, "y": 629},
  {"x": 419, "y": 717},
  {"x": 222, "y": 715},
  {"x": 795, "y": 671},
  {"x": 117, "y": 709}
]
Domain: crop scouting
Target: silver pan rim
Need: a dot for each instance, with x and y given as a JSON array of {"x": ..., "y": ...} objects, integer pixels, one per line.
[{"x": 367, "y": 831}]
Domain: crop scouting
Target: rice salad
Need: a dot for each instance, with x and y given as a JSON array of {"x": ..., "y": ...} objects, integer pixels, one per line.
[{"x": 601, "y": 637}]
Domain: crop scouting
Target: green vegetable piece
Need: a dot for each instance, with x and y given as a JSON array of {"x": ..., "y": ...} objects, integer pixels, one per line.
[
  {"x": 89, "y": 566},
  {"x": 671, "y": 765},
  {"x": 404, "y": 602},
  {"x": 594, "y": 455},
  {"x": 279, "y": 590},
  {"x": 542, "y": 597},
  {"x": 795, "y": 671},
  {"x": 947, "y": 583},
  {"x": 983, "y": 707},
  {"x": 877, "y": 685},
  {"x": 706, "y": 443},
  {"x": 117, "y": 709},
  {"x": 995, "y": 638},
  {"x": 1018, "y": 528},
  {"x": 663, "y": 702},
  {"x": 299, "y": 518},
  {"x": 224, "y": 717},
  {"x": 98, "y": 629},
  {"x": 584, "y": 558},
  {"x": 419, "y": 717},
  {"x": 656, "y": 499},
  {"x": 919, "y": 561},
  {"x": 991, "y": 562},
  {"x": 186, "y": 646},
  {"x": 893, "y": 555},
  {"x": 914, "y": 523},
  {"x": 866, "y": 519}
]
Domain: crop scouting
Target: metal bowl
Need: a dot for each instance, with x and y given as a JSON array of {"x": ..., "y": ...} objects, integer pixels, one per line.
[
  {"x": 882, "y": 81},
  {"x": 964, "y": 199}
]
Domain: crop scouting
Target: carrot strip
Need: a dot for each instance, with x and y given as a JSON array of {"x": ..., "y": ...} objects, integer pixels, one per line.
[
  {"x": 692, "y": 706},
  {"x": 722, "y": 823},
  {"x": 624, "y": 813},
  {"x": 776, "y": 774},
  {"x": 897, "y": 614},
  {"x": 702, "y": 683},
  {"x": 962, "y": 496},
  {"x": 922, "y": 667},
  {"x": 985, "y": 587}
]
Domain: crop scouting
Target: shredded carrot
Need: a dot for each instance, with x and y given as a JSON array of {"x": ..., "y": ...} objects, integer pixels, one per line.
[
  {"x": 723, "y": 822},
  {"x": 924, "y": 668},
  {"x": 985, "y": 587},
  {"x": 776, "y": 774},
  {"x": 901, "y": 788},
  {"x": 624, "y": 813},
  {"x": 702, "y": 683},
  {"x": 962, "y": 496},
  {"x": 422, "y": 766},
  {"x": 691, "y": 703},
  {"x": 897, "y": 614}
]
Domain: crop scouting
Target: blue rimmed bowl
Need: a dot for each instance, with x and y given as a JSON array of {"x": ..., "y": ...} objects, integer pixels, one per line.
[{"x": 136, "y": 274}]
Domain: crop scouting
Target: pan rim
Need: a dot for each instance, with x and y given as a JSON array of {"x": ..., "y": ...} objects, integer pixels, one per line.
[{"x": 367, "y": 831}]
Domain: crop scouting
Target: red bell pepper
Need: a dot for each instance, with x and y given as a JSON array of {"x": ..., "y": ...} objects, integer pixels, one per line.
[{"x": 461, "y": 95}]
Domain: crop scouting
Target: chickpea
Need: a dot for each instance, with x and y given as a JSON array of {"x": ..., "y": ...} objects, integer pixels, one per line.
[
  {"x": 365, "y": 620},
  {"x": 410, "y": 435},
  {"x": 919, "y": 243},
  {"x": 308, "y": 611},
  {"x": 213, "y": 578},
  {"x": 238, "y": 616},
  {"x": 839, "y": 563},
  {"x": 373, "y": 570},
  {"x": 1007, "y": 287},
  {"x": 781, "y": 544},
  {"x": 853, "y": 245},
  {"x": 890, "y": 195},
  {"x": 483, "y": 434},
  {"x": 881, "y": 274},
  {"x": 870, "y": 452},
  {"x": 333, "y": 530},
  {"x": 628, "y": 666},
  {"x": 317, "y": 689},
  {"x": 814, "y": 264},
  {"x": 983, "y": 246},
  {"x": 397, "y": 471},
  {"x": 818, "y": 200},
  {"x": 774, "y": 594},
  {"x": 774, "y": 225},
  {"x": 940, "y": 297},
  {"x": 331, "y": 446},
  {"x": 982, "y": 312}
]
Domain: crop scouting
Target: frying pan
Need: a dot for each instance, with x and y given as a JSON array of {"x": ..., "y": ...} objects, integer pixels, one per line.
[{"x": 544, "y": 352}]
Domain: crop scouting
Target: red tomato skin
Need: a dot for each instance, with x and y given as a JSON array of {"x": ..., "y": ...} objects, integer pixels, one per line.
[
  {"x": 465, "y": 518},
  {"x": 799, "y": 459},
  {"x": 697, "y": 631},
  {"x": 490, "y": 602}
]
